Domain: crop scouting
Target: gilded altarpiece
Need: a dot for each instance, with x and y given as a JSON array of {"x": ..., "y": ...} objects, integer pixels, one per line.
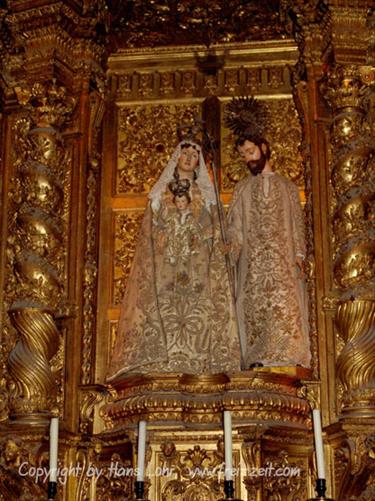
[{"x": 63, "y": 195}]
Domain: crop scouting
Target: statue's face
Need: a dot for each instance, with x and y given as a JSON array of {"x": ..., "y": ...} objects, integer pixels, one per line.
[
  {"x": 188, "y": 160},
  {"x": 181, "y": 202},
  {"x": 253, "y": 156}
]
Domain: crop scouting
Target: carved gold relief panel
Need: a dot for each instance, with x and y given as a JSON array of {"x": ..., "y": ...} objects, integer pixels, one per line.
[
  {"x": 127, "y": 225},
  {"x": 205, "y": 73},
  {"x": 147, "y": 135}
]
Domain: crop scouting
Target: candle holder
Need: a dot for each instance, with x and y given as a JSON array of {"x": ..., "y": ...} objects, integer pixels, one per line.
[
  {"x": 320, "y": 488},
  {"x": 229, "y": 491},
  {"x": 139, "y": 488},
  {"x": 52, "y": 490}
]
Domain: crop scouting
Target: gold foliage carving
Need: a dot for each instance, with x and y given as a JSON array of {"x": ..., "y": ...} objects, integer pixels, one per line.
[
  {"x": 251, "y": 451},
  {"x": 286, "y": 487},
  {"x": 4, "y": 407},
  {"x": 127, "y": 226},
  {"x": 103, "y": 475},
  {"x": 196, "y": 23},
  {"x": 36, "y": 245},
  {"x": 354, "y": 464},
  {"x": 90, "y": 276},
  {"x": 108, "y": 486},
  {"x": 352, "y": 180},
  {"x": 196, "y": 473},
  {"x": 353, "y": 238},
  {"x": 49, "y": 104},
  {"x": 13, "y": 453},
  {"x": 147, "y": 137},
  {"x": 284, "y": 135}
]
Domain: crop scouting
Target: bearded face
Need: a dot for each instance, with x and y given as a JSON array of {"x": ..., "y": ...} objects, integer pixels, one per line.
[
  {"x": 257, "y": 166},
  {"x": 254, "y": 156}
]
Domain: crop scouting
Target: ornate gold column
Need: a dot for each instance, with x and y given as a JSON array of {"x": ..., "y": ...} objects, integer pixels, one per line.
[
  {"x": 353, "y": 184},
  {"x": 37, "y": 246}
]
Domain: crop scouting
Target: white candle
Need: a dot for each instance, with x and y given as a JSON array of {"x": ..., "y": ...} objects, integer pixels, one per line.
[
  {"x": 318, "y": 439},
  {"x": 228, "y": 445},
  {"x": 141, "y": 451},
  {"x": 53, "y": 448}
]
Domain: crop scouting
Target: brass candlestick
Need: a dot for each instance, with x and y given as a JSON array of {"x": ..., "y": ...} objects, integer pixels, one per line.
[
  {"x": 320, "y": 488},
  {"x": 139, "y": 488},
  {"x": 229, "y": 491},
  {"x": 52, "y": 490}
]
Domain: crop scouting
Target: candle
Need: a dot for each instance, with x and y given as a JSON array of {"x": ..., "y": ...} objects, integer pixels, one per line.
[
  {"x": 53, "y": 448},
  {"x": 141, "y": 451},
  {"x": 228, "y": 445},
  {"x": 318, "y": 439}
]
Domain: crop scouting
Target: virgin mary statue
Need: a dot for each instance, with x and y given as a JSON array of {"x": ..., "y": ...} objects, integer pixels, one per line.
[{"x": 177, "y": 313}]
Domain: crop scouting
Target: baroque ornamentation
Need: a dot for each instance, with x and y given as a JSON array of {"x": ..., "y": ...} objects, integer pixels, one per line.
[
  {"x": 202, "y": 80},
  {"x": 251, "y": 452},
  {"x": 196, "y": 473},
  {"x": 355, "y": 464},
  {"x": 147, "y": 137},
  {"x": 36, "y": 245},
  {"x": 59, "y": 36},
  {"x": 91, "y": 265},
  {"x": 309, "y": 22},
  {"x": 289, "y": 486},
  {"x": 137, "y": 24},
  {"x": 355, "y": 364},
  {"x": 171, "y": 398},
  {"x": 91, "y": 398},
  {"x": 22, "y": 456},
  {"x": 354, "y": 188},
  {"x": 127, "y": 226},
  {"x": 353, "y": 184}
]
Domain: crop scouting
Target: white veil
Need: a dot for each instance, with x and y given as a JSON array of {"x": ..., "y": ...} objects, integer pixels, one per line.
[{"x": 203, "y": 180}]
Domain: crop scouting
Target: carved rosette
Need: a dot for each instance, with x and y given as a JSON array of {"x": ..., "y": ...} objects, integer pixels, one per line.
[
  {"x": 353, "y": 184},
  {"x": 36, "y": 246}
]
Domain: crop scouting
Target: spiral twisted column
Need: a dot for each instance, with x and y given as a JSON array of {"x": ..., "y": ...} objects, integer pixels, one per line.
[
  {"x": 353, "y": 182},
  {"x": 37, "y": 245}
]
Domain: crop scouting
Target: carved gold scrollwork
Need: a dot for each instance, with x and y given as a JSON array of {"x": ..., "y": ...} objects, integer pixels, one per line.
[
  {"x": 196, "y": 473},
  {"x": 356, "y": 363},
  {"x": 15, "y": 456},
  {"x": 355, "y": 466},
  {"x": 251, "y": 452},
  {"x": 289, "y": 486},
  {"x": 92, "y": 396}
]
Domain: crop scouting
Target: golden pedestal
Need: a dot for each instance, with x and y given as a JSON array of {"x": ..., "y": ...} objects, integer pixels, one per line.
[{"x": 185, "y": 455}]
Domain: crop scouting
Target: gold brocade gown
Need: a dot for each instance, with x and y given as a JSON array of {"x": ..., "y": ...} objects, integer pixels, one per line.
[{"x": 177, "y": 313}]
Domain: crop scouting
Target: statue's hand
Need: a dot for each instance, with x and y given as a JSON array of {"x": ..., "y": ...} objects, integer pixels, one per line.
[
  {"x": 225, "y": 247},
  {"x": 300, "y": 267},
  {"x": 160, "y": 241}
]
